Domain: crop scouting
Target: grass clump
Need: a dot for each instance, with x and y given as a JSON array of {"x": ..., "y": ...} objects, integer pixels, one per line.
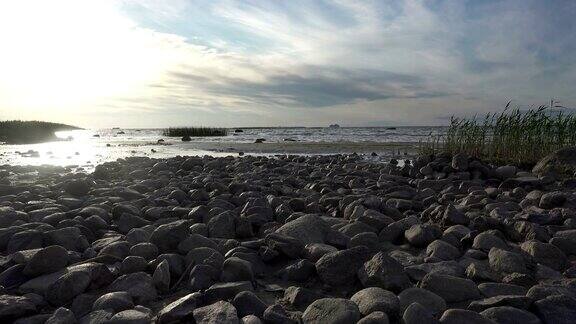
[
  {"x": 30, "y": 132},
  {"x": 194, "y": 131},
  {"x": 511, "y": 136}
]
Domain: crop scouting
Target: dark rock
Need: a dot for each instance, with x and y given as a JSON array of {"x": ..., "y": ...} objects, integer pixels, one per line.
[
  {"x": 429, "y": 300},
  {"x": 62, "y": 316},
  {"x": 460, "y": 316},
  {"x": 139, "y": 285},
  {"x": 218, "y": 313},
  {"x": 179, "y": 310},
  {"x": 510, "y": 315},
  {"x": 374, "y": 299},
  {"x": 300, "y": 297},
  {"x": 339, "y": 268},
  {"x": 384, "y": 272},
  {"x": 331, "y": 310},
  {"x": 167, "y": 237},
  {"x": 117, "y": 301},
  {"x": 247, "y": 303},
  {"x": 451, "y": 289},
  {"x": 490, "y": 289},
  {"x": 557, "y": 309},
  {"x": 418, "y": 314},
  {"x": 561, "y": 162},
  {"x": 13, "y": 307},
  {"x": 546, "y": 254}
]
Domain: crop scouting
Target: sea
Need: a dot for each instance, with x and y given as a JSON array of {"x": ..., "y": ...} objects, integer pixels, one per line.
[{"x": 87, "y": 148}]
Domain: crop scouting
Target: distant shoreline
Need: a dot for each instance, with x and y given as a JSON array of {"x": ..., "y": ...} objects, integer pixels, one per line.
[{"x": 15, "y": 132}]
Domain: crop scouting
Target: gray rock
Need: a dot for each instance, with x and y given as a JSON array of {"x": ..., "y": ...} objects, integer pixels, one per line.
[
  {"x": 133, "y": 264},
  {"x": 421, "y": 235},
  {"x": 558, "y": 163},
  {"x": 96, "y": 317},
  {"x": 131, "y": 316},
  {"x": 515, "y": 301},
  {"x": 161, "y": 277},
  {"x": 202, "y": 276},
  {"x": 452, "y": 216},
  {"x": 222, "y": 226},
  {"x": 247, "y": 303},
  {"x": 425, "y": 298},
  {"x": 300, "y": 297},
  {"x": 68, "y": 286},
  {"x": 510, "y": 315},
  {"x": 62, "y": 316},
  {"x": 451, "y": 289},
  {"x": 339, "y": 268},
  {"x": 418, "y": 314},
  {"x": 384, "y": 272},
  {"x": 250, "y": 319},
  {"x": 226, "y": 291},
  {"x": 179, "y": 310},
  {"x": 374, "y": 299},
  {"x": 375, "y": 318},
  {"x": 13, "y": 307},
  {"x": 167, "y": 237},
  {"x": 117, "y": 301},
  {"x": 557, "y": 309},
  {"x": 307, "y": 228},
  {"x": 460, "y": 316},
  {"x": 218, "y": 313},
  {"x": 277, "y": 314},
  {"x": 491, "y": 289},
  {"x": 47, "y": 260},
  {"x": 331, "y": 310},
  {"x": 507, "y": 262},
  {"x": 139, "y": 285},
  {"x": 485, "y": 241},
  {"x": 442, "y": 250},
  {"x": 552, "y": 199},
  {"x": 546, "y": 254}
]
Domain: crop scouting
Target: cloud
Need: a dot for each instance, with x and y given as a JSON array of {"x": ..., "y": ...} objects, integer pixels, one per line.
[{"x": 298, "y": 62}]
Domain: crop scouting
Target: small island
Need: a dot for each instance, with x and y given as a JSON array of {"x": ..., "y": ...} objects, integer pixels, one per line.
[{"x": 30, "y": 132}]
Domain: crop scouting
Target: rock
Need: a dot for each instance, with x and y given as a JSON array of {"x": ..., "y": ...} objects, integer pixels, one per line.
[
  {"x": 161, "y": 277},
  {"x": 287, "y": 245},
  {"x": 117, "y": 301},
  {"x": 521, "y": 302},
  {"x": 557, "y": 309},
  {"x": 250, "y": 319},
  {"x": 451, "y": 289},
  {"x": 96, "y": 317},
  {"x": 79, "y": 187},
  {"x": 442, "y": 250},
  {"x": 460, "y": 316},
  {"x": 553, "y": 199},
  {"x": 68, "y": 286},
  {"x": 277, "y": 314},
  {"x": 418, "y": 314},
  {"x": 62, "y": 316},
  {"x": 179, "y": 310},
  {"x": 299, "y": 271},
  {"x": 510, "y": 315},
  {"x": 331, "y": 310},
  {"x": 139, "y": 285},
  {"x": 226, "y": 291},
  {"x": 507, "y": 262},
  {"x": 375, "y": 318},
  {"x": 558, "y": 163},
  {"x": 546, "y": 254},
  {"x": 491, "y": 289},
  {"x": 425, "y": 298},
  {"x": 131, "y": 316},
  {"x": 127, "y": 222},
  {"x": 421, "y": 235},
  {"x": 339, "y": 268},
  {"x": 384, "y": 272},
  {"x": 236, "y": 269},
  {"x": 485, "y": 241},
  {"x": 505, "y": 172},
  {"x": 145, "y": 250},
  {"x": 222, "y": 226},
  {"x": 308, "y": 229},
  {"x": 247, "y": 303},
  {"x": 460, "y": 162},
  {"x": 13, "y": 307},
  {"x": 8, "y": 216},
  {"x": 133, "y": 264},
  {"x": 167, "y": 237},
  {"x": 300, "y": 297},
  {"x": 374, "y": 299},
  {"x": 202, "y": 277},
  {"x": 452, "y": 216},
  {"x": 47, "y": 260},
  {"x": 218, "y": 313}
]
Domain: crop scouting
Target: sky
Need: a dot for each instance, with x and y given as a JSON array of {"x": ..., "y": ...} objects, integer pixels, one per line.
[{"x": 149, "y": 63}]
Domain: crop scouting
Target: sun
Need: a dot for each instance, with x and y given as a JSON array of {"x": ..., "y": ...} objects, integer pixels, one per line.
[{"x": 67, "y": 55}]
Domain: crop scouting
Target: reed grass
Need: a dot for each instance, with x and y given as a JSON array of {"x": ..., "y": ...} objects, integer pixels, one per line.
[
  {"x": 195, "y": 131},
  {"x": 513, "y": 136}
]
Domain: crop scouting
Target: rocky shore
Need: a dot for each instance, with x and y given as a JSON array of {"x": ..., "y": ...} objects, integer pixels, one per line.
[{"x": 287, "y": 239}]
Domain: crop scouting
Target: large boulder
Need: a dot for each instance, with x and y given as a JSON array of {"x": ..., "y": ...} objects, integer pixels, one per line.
[
  {"x": 561, "y": 162},
  {"x": 385, "y": 272},
  {"x": 451, "y": 289},
  {"x": 167, "y": 237}
]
